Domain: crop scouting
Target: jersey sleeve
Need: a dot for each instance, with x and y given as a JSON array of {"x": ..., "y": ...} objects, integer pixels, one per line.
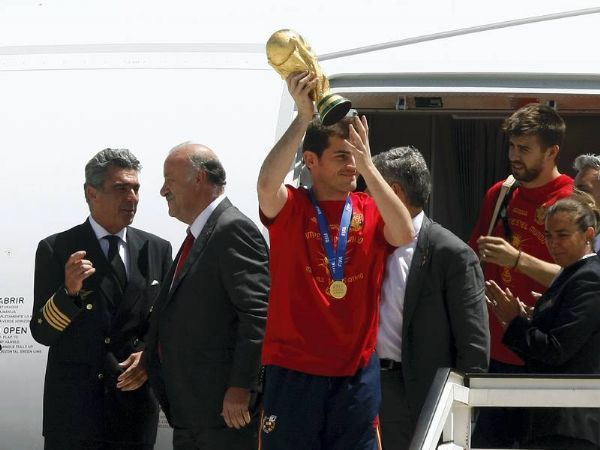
[{"x": 287, "y": 212}]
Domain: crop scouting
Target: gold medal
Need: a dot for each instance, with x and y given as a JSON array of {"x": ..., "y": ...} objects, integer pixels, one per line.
[{"x": 338, "y": 289}]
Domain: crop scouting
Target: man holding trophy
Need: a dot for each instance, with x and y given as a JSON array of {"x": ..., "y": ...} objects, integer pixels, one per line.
[{"x": 328, "y": 250}]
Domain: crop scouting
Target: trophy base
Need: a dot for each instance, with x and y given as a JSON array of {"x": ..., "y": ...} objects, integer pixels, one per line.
[{"x": 333, "y": 108}]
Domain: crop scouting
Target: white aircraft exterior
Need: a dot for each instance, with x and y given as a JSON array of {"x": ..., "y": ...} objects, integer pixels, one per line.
[{"x": 76, "y": 77}]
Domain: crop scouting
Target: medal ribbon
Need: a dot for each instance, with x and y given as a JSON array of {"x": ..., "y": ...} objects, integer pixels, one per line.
[{"x": 335, "y": 257}]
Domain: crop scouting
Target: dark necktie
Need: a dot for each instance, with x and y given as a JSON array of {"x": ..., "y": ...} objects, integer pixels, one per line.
[
  {"x": 115, "y": 260},
  {"x": 185, "y": 251}
]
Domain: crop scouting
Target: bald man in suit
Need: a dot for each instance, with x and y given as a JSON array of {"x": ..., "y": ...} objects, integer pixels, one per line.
[{"x": 208, "y": 329}]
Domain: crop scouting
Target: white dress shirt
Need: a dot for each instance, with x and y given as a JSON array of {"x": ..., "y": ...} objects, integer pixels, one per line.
[
  {"x": 389, "y": 336},
  {"x": 101, "y": 232},
  {"x": 200, "y": 221}
]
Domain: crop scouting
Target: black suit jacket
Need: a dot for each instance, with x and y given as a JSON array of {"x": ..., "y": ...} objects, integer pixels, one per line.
[
  {"x": 209, "y": 325},
  {"x": 445, "y": 322},
  {"x": 88, "y": 335},
  {"x": 563, "y": 336}
]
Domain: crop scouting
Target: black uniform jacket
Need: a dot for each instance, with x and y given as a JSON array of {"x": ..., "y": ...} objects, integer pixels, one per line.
[
  {"x": 563, "y": 336},
  {"x": 207, "y": 330},
  {"x": 445, "y": 322},
  {"x": 88, "y": 335}
]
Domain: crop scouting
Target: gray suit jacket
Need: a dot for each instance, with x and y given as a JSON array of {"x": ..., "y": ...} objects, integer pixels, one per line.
[
  {"x": 445, "y": 320},
  {"x": 209, "y": 326}
]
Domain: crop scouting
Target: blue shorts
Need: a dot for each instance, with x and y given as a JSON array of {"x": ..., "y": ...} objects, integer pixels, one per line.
[{"x": 311, "y": 412}]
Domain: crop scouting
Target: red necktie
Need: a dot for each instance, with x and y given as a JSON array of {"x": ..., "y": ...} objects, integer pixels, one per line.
[{"x": 185, "y": 251}]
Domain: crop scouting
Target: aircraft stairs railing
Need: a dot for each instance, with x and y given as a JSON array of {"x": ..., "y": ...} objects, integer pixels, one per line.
[{"x": 445, "y": 422}]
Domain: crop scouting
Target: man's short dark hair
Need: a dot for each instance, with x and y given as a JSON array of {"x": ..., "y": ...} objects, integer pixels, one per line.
[
  {"x": 97, "y": 167},
  {"x": 206, "y": 161},
  {"x": 539, "y": 120},
  {"x": 317, "y": 135},
  {"x": 406, "y": 166},
  {"x": 215, "y": 171}
]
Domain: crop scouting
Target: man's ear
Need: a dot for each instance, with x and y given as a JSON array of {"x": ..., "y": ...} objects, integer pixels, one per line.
[
  {"x": 201, "y": 177},
  {"x": 552, "y": 152},
  {"x": 310, "y": 159},
  {"x": 399, "y": 191},
  {"x": 590, "y": 233},
  {"x": 91, "y": 192}
]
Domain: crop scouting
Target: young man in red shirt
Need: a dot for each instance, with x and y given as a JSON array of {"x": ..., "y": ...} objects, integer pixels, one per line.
[
  {"x": 328, "y": 249},
  {"x": 515, "y": 254}
]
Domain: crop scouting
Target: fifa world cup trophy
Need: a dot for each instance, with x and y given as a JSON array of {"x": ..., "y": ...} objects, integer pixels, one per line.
[{"x": 288, "y": 52}]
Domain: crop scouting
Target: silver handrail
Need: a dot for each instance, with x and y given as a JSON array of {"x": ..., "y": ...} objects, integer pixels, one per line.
[{"x": 445, "y": 421}]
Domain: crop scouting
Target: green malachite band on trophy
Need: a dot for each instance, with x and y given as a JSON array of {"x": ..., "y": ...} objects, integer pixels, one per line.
[
  {"x": 327, "y": 101},
  {"x": 333, "y": 108}
]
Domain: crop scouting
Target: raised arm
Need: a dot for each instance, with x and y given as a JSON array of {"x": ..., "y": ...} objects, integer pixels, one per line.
[
  {"x": 398, "y": 228},
  {"x": 272, "y": 193}
]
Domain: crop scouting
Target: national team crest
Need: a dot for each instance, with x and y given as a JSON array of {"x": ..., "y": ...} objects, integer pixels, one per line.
[
  {"x": 268, "y": 424},
  {"x": 540, "y": 213},
  {"x": 358, "y": 220}
]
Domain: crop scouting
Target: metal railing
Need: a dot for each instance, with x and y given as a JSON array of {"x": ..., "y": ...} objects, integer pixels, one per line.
[{"x": 446, "y": 417}]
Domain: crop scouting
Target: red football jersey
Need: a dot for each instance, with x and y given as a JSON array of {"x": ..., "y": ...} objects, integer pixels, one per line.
[
  {"x": 308, "y": 330},
  {"x": 526, "y": 217}
]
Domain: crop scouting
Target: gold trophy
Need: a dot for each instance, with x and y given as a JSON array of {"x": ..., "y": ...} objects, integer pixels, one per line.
[{"x": 288, "y": 52}]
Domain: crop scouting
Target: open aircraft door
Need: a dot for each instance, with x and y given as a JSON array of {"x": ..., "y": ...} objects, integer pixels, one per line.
[{"x": 448, "y": 93}]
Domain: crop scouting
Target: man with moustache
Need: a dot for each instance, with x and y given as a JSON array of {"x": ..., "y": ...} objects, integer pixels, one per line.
[
  {"x": 328, "y": 250},
  {"x": 207, "y": 329},
  {"x": 95, "y": 286},
  {"x": 512, "y": 252}
]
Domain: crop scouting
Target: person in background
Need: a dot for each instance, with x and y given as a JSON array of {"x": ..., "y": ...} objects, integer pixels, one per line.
[
  {"x": 561, "y": 334},
  {"x": 511, "y": 254},
  {"x": 500, "y": 252},
  {"x": 588, "y": 179},
  {"x": 433, "y": 312}
]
